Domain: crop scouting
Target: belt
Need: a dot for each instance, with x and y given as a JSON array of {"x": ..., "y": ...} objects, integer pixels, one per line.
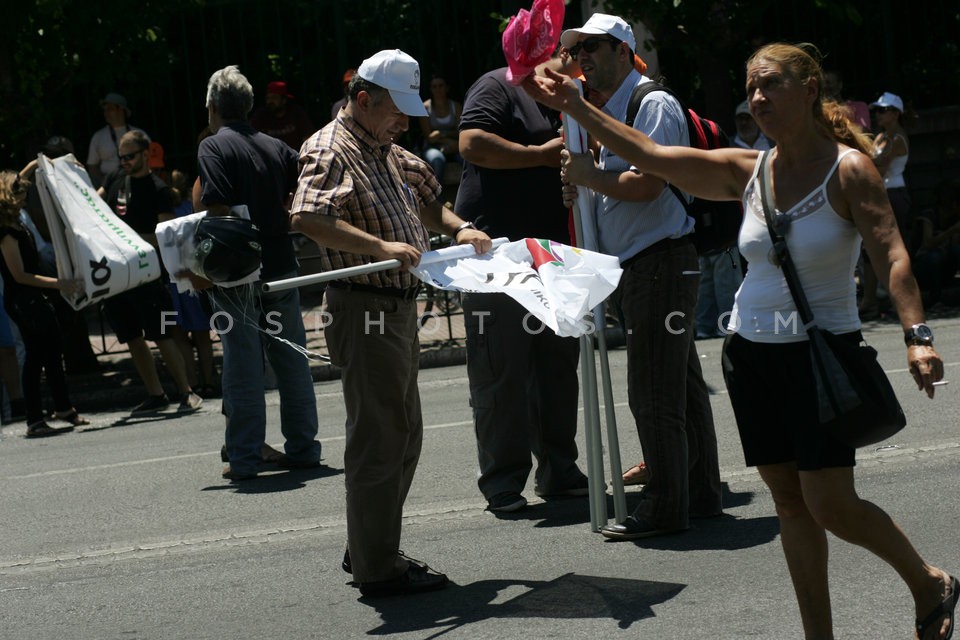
[
  {"x": 392, "y": 292},
  {"x": 657, "y": 247}
]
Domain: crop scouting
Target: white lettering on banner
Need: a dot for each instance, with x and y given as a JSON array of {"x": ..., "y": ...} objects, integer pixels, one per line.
[
  {"x": 367, "y": 323},
  {"x": 671, "y": 316}
]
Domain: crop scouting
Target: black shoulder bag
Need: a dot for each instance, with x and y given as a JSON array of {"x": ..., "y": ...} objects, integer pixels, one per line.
[{"x": 856, "y": 403}]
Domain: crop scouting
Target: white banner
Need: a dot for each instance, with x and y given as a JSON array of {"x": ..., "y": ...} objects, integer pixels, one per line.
[
  {"x": 556, "y": 283},
  {"x": 90, "y": 241}
]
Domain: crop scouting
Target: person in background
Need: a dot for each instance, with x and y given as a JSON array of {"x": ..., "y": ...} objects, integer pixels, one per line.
[
  {"x": 78, "y": 353},
  {"x": 193, "y": 314},
  {"x": 440, "y": 126},
  {"x": 824, "y": 182},
  {"x": 141, "y": 199},
  {"x": 859, "y": 112},
  {"x": 10, "y": 369},
  {"x": 938, "y": 254},
  {"x": 342, "y": 102},
  {"x": 282, "y": 118},
  {"x": 240, "y": 166},
  {"x": 26, "y": 303},
  {"x": 891, "y": 150},
  {"x": 748, "y": 134},
  {"x": 102, "y": 157}
]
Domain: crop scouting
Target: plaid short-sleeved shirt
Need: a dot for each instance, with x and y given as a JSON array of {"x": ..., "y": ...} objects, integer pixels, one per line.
[{"x": 376, "y": 188}]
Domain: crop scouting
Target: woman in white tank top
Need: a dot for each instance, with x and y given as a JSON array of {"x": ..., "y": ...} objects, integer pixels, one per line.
[
  {"x": 823, "y": 178},
  {"x": 891, "y": 150}
]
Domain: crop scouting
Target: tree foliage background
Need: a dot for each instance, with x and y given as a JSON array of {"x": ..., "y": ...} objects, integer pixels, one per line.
[{"x": 59, "y": 57}]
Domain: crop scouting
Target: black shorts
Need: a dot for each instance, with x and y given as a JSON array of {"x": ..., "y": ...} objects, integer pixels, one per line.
[
  {"x": 773, "y": 394},
  {"x": 140, "y": 312}
]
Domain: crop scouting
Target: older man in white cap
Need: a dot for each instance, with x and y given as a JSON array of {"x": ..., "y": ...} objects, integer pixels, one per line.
[
  {"x": 645, "y": 224},
  {"x": 103, "y": 158},
  {"x": 363, "y": 198}
]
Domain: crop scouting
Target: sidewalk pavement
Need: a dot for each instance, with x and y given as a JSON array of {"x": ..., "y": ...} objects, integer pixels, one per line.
[{"x": 117, "y": 385}]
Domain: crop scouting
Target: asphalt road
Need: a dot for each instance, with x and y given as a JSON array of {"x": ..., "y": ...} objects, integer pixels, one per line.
[{"x": 125, "y": 530}]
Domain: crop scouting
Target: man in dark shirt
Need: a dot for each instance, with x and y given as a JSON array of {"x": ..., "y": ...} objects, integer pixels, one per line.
[
  {"x": 281, "y": 118},
  {"x": 141, "y": 200},
  {"x": 523, "y": 377},
  {"x": 239, "y": 166}
]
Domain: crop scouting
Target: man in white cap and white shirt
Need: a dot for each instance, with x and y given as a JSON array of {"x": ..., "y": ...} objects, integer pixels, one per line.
[
  {"x": 363, "y": 199},
  {"x": 102, "y": 158},
  {"x": 644, "y": 224}
]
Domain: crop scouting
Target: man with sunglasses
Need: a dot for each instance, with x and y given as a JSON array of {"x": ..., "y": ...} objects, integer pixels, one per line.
[
  {"x": 642, "y": 222},
  {"x": 141, "y": 199}
]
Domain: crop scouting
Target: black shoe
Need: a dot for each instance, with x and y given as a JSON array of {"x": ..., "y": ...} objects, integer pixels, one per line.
[
  {"x": 416, "y": 579},
  {"x": 152, "y": 404},
  {"x": 506, "y": 502},
  {"x": 633, "y": 528},
  {"x": 347, "y": 566},
  {"x": 236, "y": 476},
  {"x": 578, "y": 488}
]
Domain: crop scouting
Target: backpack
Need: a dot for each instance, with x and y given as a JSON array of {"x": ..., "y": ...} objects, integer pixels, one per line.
[{"x": 716, "y": 224}]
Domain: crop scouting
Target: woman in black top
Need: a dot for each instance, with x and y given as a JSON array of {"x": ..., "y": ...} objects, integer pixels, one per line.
[{"x": 26, "y": 302}]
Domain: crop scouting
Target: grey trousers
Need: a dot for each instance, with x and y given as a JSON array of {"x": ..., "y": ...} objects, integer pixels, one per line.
[{"x": 373, "y": 339}]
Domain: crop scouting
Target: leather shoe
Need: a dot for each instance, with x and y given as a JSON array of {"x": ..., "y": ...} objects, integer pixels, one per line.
[
  {"x": 347, "y": 566},
  {"x": 416, "y": 579},
  {"x": 632, "y": 528}
]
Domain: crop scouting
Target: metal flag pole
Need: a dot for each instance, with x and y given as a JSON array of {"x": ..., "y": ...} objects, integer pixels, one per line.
[
  {"x": 439, "y": 255},
  {"x": 587, "y": 239}
]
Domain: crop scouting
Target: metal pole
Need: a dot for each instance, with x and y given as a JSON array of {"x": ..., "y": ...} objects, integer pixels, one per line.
[
  {"x": 439, "y": 255},
  {"x": 587, "y": 237}
]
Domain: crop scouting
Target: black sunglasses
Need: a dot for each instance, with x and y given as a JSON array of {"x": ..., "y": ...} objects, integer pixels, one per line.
[
  {"x": 884, "y": 109},
  {"x": 590, "y": 45},
  {"x": 127, "y": 157}
]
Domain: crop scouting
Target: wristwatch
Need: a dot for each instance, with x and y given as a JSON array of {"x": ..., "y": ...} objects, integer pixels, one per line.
[
  {"x": 465, "y": 225},
  {"x": 919, "y": 335}
]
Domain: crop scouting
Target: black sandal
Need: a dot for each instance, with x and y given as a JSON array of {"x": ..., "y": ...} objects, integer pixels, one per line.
[
  {"x": 43, "y": 430},
  {"x": 946, "y": 608},
  {"x": 73, "y": 417}
]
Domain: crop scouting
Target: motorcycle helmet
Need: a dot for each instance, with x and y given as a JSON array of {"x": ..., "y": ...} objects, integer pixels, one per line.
[{"x": 228, "y": 248}]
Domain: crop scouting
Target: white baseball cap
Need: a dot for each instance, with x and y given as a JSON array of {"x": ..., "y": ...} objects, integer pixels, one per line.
[
  {"x": 743, "y": 107},
  {"x": 599, "y": 24},
  {"x": 889, "y": 100},
  {"x": 399, "y": 74}
]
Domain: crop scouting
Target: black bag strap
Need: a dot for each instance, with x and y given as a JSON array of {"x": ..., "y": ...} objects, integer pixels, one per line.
[
  {"x": 780, "y": 250},
  {"x": 641, "y": 91}
]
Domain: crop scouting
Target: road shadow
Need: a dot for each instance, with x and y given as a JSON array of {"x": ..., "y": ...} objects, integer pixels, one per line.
[
  {"x": 277, "y": 482},
  {"x": 570, "y": 596},
  {"x": 129, "y": 421},
  {"x": 562, "y": 512}
]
